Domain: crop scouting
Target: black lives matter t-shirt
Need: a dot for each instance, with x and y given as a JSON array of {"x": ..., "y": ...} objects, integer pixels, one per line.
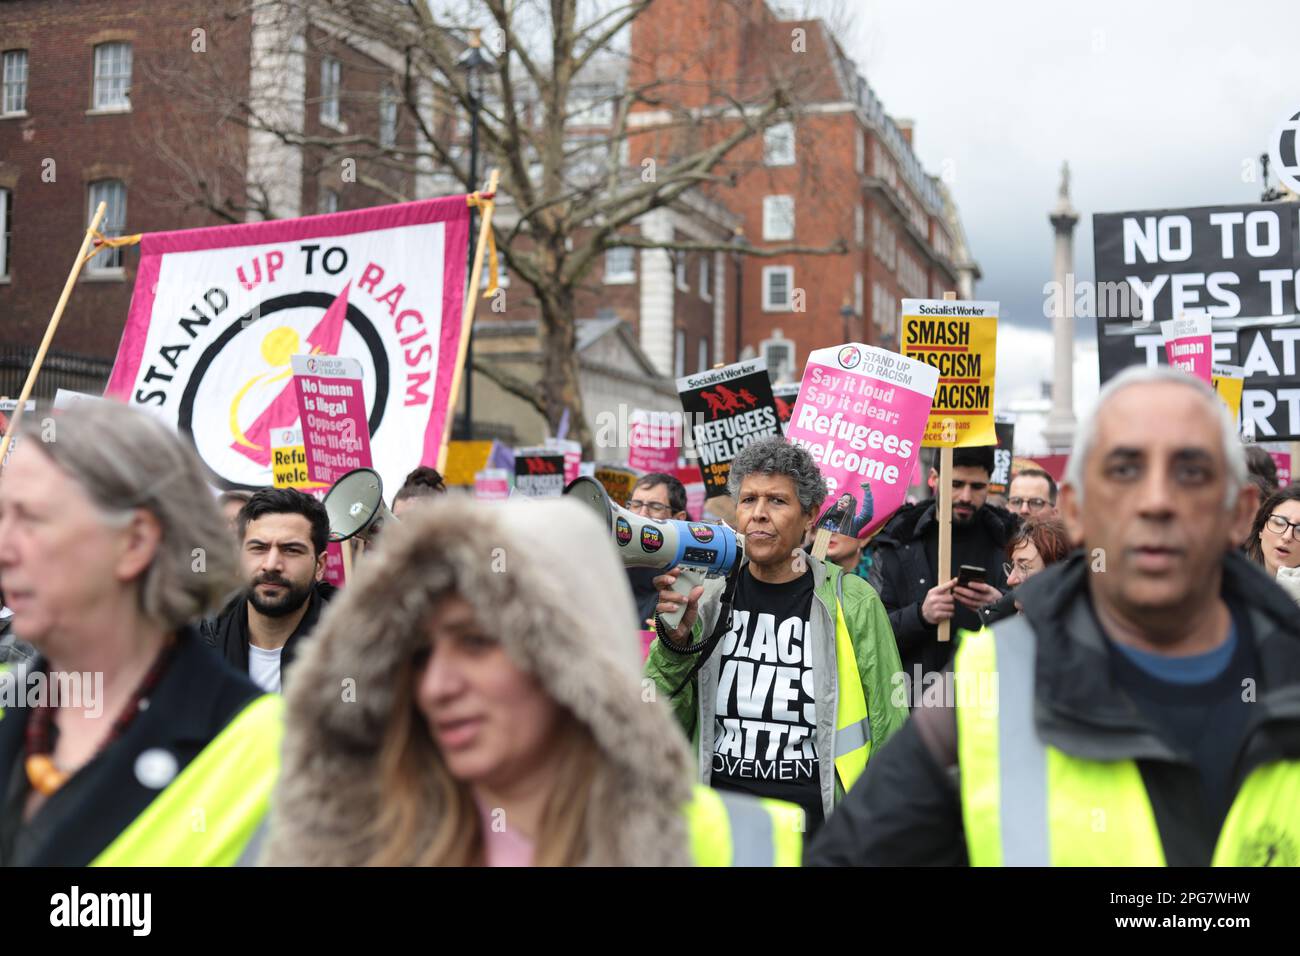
[{"x": 765, "y": 728}]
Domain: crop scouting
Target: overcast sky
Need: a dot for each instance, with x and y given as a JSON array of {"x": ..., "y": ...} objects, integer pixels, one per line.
[{"x": 1155, "y": 104}]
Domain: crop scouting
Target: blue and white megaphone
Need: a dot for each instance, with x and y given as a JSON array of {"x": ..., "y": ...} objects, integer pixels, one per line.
[{"x": 702, "y": 550}]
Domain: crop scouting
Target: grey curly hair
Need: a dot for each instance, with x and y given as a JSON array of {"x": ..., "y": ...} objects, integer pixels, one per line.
[{"x": 776, "y": 456}]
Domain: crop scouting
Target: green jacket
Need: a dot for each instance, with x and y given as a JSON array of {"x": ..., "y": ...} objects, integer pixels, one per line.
[{"x": 873, "y": 642}]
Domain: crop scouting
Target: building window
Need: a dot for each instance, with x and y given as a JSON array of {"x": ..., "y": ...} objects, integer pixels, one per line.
[
  {"x": 6, "y": 230},
  {"x": 706, "y": 279},
  {"x": 113, "y": 76},
  {"x": 859, "y": 225},
  {"x": 778, "y": 145},
  {"x": 15, "y": 82},
  {"x": 331, "y": 72},
  {"x": 778, "y": 217},
  {"x": 328, "y": 201},
  {"x": 778, "y": 355},
  {"x": 704, "y": 355},
  {"x": 113, "y": 193},
  {"x": 620, "y": 266},
  {"x": 682, "y": 282},
  {"x": 387, "y": 117},
  {"x": 679, "y": 357},
  {"x": 592, "y": 105},
  {"x": 857, "y": 293},
  {"x": 778, "y": 286}
]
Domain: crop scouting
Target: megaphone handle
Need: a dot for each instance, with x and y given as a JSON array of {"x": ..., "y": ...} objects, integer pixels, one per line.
[{"x": 689, "y": 579}]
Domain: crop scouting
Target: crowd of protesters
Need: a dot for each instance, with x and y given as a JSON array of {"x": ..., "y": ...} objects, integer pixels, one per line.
[{"x": 1122, "y": 648}]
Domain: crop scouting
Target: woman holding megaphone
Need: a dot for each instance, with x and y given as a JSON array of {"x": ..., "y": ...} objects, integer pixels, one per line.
[{"x": 457, "y": 708}]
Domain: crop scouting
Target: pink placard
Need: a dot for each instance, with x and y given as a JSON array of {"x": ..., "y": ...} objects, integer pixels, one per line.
[
  {"x": 492, "y": 484},
  {"x": 332, "y": 407},
  {"x": 1188, "y": 345},
  {"x": 1283, "y": 461},
  {"x": 654, "y": 440},
  {"x": 861, "y": 413}
]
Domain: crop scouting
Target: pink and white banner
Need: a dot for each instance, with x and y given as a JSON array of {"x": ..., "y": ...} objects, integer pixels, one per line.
[
  {"x": 217, "y": 313},
  {"x": 861, "y": 413}
]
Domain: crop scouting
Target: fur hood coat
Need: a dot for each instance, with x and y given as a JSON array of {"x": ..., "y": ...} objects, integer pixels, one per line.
[{"x": 544, "y": 578}]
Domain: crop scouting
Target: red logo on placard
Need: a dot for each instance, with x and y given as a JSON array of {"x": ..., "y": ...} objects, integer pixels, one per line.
[
  {"x": 849, "y": 357},
  {"x": 540, "y": 466},
  {"x": 723, "y": 399}
]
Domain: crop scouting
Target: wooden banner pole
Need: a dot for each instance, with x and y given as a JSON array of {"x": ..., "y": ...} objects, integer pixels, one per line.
[
  {"x": 945, "y": 516},
  {"x": 467, "y": 316},
  {"x": 52, "y": 328},
  {"x": 1295, "y": 461}
]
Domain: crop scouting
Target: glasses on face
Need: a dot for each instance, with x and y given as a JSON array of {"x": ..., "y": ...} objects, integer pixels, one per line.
[
  {"x": 652, "y": 508},
  {"x": 1035, "y": 504},
  {"x": 1278, "y": 525},
  {"x": 1020, "y": 566},
  {"x": 958, "y": 485}
]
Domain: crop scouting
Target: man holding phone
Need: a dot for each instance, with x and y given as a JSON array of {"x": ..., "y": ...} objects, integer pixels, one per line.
[{"x": 904, "y": 571}]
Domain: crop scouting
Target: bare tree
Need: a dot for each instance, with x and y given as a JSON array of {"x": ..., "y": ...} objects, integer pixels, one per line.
[{"x": 587, "y": 138}]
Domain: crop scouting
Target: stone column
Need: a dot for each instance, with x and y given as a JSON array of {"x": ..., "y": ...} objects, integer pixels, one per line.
[{"x": 1059, "y": 431}]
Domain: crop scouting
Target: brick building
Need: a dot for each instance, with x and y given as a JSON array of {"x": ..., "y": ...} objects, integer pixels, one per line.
[
  {"x": 839, "y": 169},
  {"x": 106, "y": 101},
  {"x": 122, "y": 100}
]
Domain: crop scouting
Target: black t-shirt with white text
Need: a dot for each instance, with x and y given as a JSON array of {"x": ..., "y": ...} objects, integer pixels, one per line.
[{"x": 765, "y": 726}]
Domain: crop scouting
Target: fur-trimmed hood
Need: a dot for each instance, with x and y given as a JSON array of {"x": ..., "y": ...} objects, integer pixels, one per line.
[{"x": 544, "y": 578}]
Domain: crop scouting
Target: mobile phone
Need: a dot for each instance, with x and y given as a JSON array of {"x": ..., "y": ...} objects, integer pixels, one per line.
[{"x": 969, "y": 573}]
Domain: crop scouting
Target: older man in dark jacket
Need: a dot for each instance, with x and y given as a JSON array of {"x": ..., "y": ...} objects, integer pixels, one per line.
[
  {"x": 906, "y": 558},
  {"x": 1144, "y": 710}
]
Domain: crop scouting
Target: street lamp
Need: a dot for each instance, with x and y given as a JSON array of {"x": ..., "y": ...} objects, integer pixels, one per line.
[
  {"x": 472, "y": 62},
  {"x": 738, "y": 244}
]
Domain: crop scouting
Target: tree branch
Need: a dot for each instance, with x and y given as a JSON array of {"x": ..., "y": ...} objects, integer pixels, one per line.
[
  {"x": 836, "y": 248},
  {"x": 510, "y": 383}
]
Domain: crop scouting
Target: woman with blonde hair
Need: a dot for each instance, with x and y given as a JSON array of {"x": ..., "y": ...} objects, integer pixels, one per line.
[{"x": 474, "y": 698}]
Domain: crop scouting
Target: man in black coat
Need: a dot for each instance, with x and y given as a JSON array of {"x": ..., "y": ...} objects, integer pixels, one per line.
[
  {"x": 906, "y": 558},
  {"x": 283, "y": 535},
  {"x": 1156, "y": 672}
]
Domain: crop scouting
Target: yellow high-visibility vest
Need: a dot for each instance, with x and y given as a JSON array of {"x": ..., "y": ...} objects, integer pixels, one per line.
[
  {"x": 852, "y": 741},
  {"x": 730, "y": 829},
  {"x": 212, "y": 812},
  {"x": 1028, "y": 804}
]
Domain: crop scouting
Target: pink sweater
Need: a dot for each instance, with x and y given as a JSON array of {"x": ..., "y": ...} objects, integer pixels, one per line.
[{"x": 503, "y": 846}]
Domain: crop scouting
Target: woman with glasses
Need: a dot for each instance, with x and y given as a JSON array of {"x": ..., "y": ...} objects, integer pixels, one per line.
[
  {"x": 1035, "y": 544},
  {"x": 1274, "y": 540}
]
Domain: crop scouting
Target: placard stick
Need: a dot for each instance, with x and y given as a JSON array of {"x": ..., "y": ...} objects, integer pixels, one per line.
[
  {"x": 945, "y": 516},
  {"x": 52, "y": 327},
  {"x": 1295, "y": 461},
  {"x": 467, "y": 316}
]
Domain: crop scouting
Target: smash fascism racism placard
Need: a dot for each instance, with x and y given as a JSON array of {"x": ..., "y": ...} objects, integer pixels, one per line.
[
  {"x": 960, "y": 340},
  {"x": 861, "y": 412},
  {"x": 217, "y": 314}
]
